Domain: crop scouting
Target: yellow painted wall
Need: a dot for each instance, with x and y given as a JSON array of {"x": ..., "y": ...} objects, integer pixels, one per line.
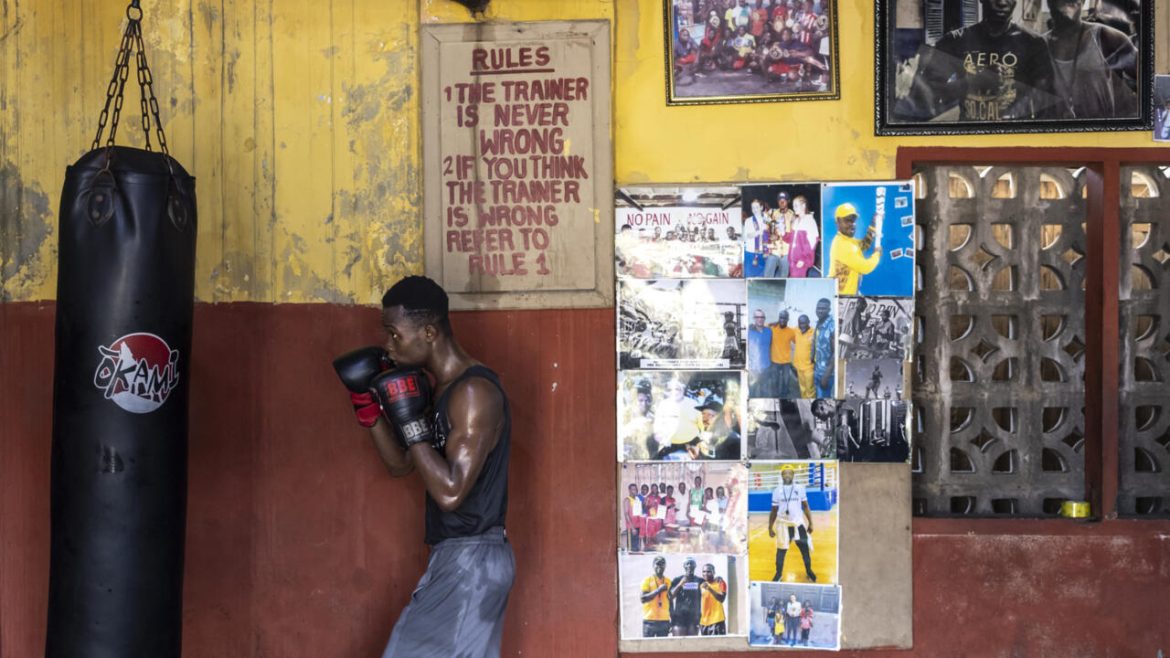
[{"x": 300, "y": 120}]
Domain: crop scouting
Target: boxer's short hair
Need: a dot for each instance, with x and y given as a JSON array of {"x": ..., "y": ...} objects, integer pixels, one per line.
[{"x": 423, "y": 300}]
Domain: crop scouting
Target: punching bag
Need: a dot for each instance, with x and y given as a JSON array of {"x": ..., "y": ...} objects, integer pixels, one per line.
[{"x": 125, "y": 297}]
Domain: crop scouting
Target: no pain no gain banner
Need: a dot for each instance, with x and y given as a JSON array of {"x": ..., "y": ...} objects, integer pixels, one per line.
[{"x": 518, "y": 163}]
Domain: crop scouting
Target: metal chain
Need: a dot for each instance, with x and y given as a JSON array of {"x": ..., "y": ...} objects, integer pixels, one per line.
[
  {"x": 122, "y": 73},
  {"x": 148, "y": 104},
  {"x": 112, "y": 91},
  {"x": 143, "y": 80},
  {"x": 146, "y": 81}
]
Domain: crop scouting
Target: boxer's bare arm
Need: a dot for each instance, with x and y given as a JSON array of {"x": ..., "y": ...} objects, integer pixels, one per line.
[
  {"x": 476, "y": 413},
  {"x": 397, "y": 460}
]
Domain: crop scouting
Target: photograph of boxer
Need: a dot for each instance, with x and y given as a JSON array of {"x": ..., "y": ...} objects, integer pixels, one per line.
[
  {"x": 793, "y": 505},
  {"x": 875, "y": 328},
  {"x": 456, "y": 434}
]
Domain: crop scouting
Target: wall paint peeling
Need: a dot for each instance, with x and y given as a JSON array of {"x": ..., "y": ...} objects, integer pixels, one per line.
[
  {"x": 25, "y": 227},
  {"x": 292, "y": 112}
]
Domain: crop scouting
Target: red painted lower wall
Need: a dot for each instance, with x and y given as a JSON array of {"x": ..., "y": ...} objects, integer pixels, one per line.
[{"x": 299, "y": 544}]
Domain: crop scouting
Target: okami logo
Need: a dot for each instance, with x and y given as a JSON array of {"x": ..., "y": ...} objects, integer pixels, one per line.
[{"x": 138, "y": 372}]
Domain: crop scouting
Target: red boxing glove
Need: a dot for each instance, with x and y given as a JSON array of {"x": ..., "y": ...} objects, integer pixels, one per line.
[
  {"x": 356, "y": 369},
  {"x": 366, "y": 408}
]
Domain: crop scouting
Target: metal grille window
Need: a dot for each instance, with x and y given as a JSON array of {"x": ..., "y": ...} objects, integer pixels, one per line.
[{"x": 1042, "y": 363}]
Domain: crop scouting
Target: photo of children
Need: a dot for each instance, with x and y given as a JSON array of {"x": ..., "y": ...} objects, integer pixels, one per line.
[
  {"x": 793, "y": 505},
  {"x": 679, "y": 415},
  {"x": 782, "y": 233},
  {"x": 683, "y": 508},
  {"x": 795, "y": 616},
  {"x": 791, "y": 338},
  {"x": 669, "y": 595},
  {"x": 681, "y": 232},
  {"x": 875, "y": 328},
  {"x": 681, "y": 323},
  {"x": 868, "y": 243},
  {"x": 791, "y": 429},
  {"x": 744, "y": 50}
]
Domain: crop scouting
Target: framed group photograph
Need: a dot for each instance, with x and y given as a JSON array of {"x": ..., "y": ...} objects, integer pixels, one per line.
[
  {"x": 1007, "y": 66},
  {"x": 747, "y": 51}
]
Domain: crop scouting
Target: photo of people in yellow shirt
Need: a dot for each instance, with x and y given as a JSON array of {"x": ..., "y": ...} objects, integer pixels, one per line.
[
  {"x": 868, "y": 245},
  {"x": 668, "y": 595}
]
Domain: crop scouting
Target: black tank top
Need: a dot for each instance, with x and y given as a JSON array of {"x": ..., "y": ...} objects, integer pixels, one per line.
[{"x": 487, "y": 503}]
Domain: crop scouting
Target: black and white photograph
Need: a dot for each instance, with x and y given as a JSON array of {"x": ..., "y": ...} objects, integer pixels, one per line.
[
  {"x": 1162, "y": 108},
  {"x": 873, "y": 431},
  {"x": 697, "y": 507},
  {"x": 743, "y": 51},
  {"x": 792, "y": 338},
  {"x": 791, "y": 429},
  {"x": 795, "y": 616},
  {"x": 680, "y": 415},
  {"x": 781, "y": 231},
  {"x": 681, "y": 232},
  {"x": 981, "y": 66},
  {"x": 875, "y": 328},
  {"x": 874, "y": 379},
  {"x": 674, "y": 595},
  {"x": 681, "y": 323}
]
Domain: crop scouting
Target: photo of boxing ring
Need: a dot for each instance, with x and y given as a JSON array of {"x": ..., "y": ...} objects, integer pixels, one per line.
[{"x": 819, "y": 482}]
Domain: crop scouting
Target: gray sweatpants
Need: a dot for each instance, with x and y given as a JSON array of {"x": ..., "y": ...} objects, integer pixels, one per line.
[{"x": 457, "y": 610}]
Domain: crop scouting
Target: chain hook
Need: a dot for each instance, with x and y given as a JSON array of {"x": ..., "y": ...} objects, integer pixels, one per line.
[{"x": 134, "y": 11}]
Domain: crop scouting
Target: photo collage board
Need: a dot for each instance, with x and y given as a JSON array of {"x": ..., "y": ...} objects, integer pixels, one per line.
[{"x": 763, "y": 336}]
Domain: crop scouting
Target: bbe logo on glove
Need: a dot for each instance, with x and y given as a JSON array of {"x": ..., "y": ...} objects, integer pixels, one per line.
[
  {"x": 398, "y": 389},
  {"x": 404, "y": 396},
  {"x": 415, "y": 430}
]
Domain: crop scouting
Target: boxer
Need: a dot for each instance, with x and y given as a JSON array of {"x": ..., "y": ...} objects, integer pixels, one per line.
[{"x": 459, "y": 445}]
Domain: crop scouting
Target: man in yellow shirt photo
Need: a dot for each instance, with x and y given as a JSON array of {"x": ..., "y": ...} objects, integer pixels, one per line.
[
  {"x": 713, "y": 620},
  {"x": 783, "y": 342},
  {"x": 847, "y": 259},
  {"x": 656, "y": 601},
  {"x": 802, "y": 357}
]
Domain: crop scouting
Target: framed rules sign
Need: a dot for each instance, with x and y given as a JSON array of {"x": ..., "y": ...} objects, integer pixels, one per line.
[{"x": 518, "y": 163}]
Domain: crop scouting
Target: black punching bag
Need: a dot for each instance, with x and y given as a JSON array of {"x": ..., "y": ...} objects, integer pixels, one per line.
[{"x": 125, "y": 297}]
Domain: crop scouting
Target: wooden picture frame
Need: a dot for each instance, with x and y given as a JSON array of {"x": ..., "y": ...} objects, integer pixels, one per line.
[{"x": 750, "y": 51}]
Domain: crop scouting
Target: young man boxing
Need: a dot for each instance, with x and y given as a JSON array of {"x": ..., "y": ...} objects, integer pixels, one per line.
[{"x": 459, "y": 446}]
